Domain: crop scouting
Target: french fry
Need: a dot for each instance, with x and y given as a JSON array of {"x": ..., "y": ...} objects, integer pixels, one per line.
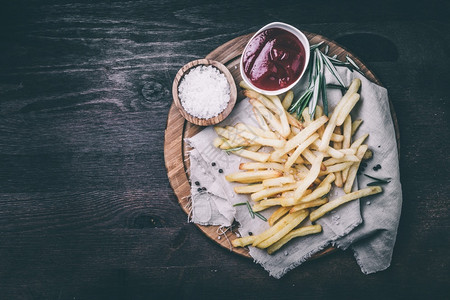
[
  {"x": 350, "y": 151},
  {"x": 217, "y": 142},
  {"x": 318, "y": 192},
  {"x": 253, "y": 176},
  {"x": 354, "y": 169},
  {"x": 243, "y": 241},
  {"x": 267, "y": 192},
  {"x": 253, "y": 148},
  {"x": 345, "y": 158},
  {"x": 268, "y": 116},
  {"x": 353, "y": 88},
  {"x": 368, "y": 155},
  {"x": 282, "y": 114},
  {"x": 244, "y": 85},
  {"x": 276, "y": 215},
  {"x": 312, "y": 175},
  {"x": 336, "y": 168},
  {"x": 309, "y": 156},
  {"x": 318, "y": 114},
  {"x": 294, "y": 122},
  {"x": 294, "y": 156},
  {"x": 257, "y": 166},
  {"x": 306, "y": 117},
  {"x": 302, "y": 169},
  {"x": 347, "y": 108},
  {"x": 260, "y": 119},
  {"x": 248, "y": 189},
  {"x": 358, "y": 142},
  {"x": 338, "y": 145},
  {"x": 256, "y": 156},
  {"x": 322, "y": 210},
  {"x": 299, "y": 160},
  {"x": 301, "y": 137},
  {"x": 259, "y": 207},
  {"x": 227, "y": 144},
  {"x": 347, "y": 131},
  {"x": 255, "y": 130},
  {"x": 313, "y": 203},
  {"x": 233, "y": 137},
  {"x": 261, "y": 140},
  {"x": 287, "y": 101},
  {"x": 330, "y": 150},
  {"x": 345, "y": 174},
  {"x": 337, "y": 137},
  {"x": 287, "y": 194},
  {"x": 262, "y": 99},
  {"x": 302, "y": 231},
  {"x": 280, "y": 229},
  {"x": 279, "y": 181},
  {"x": 355, "y": 125},
  {"x": 271, "y": 201}
]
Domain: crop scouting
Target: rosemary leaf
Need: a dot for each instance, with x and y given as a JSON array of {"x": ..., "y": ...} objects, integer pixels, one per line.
[
  {"x": 335, "y": 86},
  {"x": 313, "y": 47},
  {"x": 352, "y": 62},
  {"x": 250, "y": 210},
  {"x": 260, "y": 216},
  {"x": 240, "y": 203},
  {"x": 332, "y": 69},
  {"x": 316, "y": 91},
  {"x": 323, "y": 91},
  {"x": 233, "y": 149},
  {"x": 377, "y": 183},
  {"x": 385, "y": 180}
]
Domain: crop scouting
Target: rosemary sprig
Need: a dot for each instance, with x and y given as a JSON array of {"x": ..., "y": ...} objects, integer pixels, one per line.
[
  {"x": 317, "y": 84},
  {"x": 250, "y": 210},
  {"x": 233, "y": 149}
]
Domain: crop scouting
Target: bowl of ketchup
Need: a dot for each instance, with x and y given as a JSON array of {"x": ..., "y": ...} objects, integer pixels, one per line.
[{"x": 275, "y": 59}]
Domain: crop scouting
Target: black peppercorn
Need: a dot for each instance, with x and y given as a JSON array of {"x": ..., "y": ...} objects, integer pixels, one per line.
[
  {"x": 199, "y": 189},
  {"x": 197, "y": 183},
  {"x": 377, "y": 167},
  {"x": 250, "y": 233},
  {"x": 203, "y": 188},
  {"x": 220, "y": 171},
  {"x": 213, "y": 164}
]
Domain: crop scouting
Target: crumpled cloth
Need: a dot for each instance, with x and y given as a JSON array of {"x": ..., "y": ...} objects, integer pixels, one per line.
[{"x": 367, "y": 226}]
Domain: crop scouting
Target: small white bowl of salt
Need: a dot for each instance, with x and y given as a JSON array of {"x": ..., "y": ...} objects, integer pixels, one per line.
[{"x": 204, "y": 92}]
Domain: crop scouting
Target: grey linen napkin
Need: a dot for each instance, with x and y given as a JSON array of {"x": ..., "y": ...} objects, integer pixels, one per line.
[{"x": 369, "y": 228}]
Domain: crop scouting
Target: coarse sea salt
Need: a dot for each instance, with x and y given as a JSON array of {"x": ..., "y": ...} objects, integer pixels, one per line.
[{"x": 204, "y": 92}]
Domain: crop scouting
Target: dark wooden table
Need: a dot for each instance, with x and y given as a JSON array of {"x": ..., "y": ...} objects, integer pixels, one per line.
[{"x": 86, "y": 210}]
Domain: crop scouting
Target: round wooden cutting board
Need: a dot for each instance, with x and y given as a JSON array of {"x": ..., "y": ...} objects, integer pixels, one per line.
[{"x": 175, "y": 151}]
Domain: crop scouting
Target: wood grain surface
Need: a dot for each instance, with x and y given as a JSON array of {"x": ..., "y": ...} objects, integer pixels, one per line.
[
  {"x": 86, "y": 208},
  {"x": 176, "y": 151}
]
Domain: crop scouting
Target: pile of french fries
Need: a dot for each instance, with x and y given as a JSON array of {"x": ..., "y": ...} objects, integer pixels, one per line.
[{"x": 305, "y": 159}]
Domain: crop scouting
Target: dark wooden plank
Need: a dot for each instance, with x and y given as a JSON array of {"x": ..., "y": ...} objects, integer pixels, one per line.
[{"x": 84, "y": 96}]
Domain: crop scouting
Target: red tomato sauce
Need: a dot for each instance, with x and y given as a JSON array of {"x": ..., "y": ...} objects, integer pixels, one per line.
[{"x": 274, "y": 59}]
